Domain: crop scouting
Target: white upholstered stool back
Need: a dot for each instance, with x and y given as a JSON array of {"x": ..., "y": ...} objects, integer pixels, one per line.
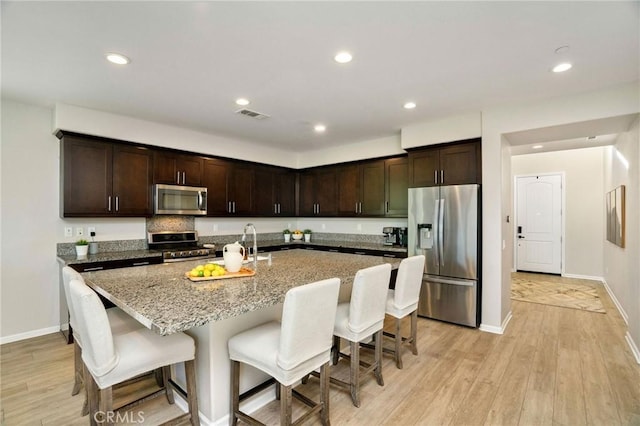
[
  {"x": 290, "y": 350},
  {"x": 403, "y": 301},
  {"x": 113, "y": 358},
  {"x": 359, "y": 319}
]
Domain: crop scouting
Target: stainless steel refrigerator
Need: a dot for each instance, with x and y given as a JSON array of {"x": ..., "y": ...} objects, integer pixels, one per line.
[{"x": 443, "y": 225}]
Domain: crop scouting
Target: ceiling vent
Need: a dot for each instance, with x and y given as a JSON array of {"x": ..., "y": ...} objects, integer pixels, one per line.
[{"x": 252, "y": 114}]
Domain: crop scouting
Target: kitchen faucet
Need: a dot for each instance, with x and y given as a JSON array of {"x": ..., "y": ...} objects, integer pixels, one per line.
[{"x": 255, "y": 243}]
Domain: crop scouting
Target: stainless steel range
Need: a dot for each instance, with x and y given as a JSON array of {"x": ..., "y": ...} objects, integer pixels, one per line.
[{"x": 177, "y": 246}]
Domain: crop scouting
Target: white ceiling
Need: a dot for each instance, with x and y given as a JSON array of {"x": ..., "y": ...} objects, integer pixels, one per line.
[{"x": 191, "y": 60}]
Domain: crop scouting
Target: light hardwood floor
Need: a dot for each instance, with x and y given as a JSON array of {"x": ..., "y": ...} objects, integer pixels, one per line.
[{"x": 553, "y": 366}]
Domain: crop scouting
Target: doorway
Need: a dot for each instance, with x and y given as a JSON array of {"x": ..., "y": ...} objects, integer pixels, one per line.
[{"x": 539, "y": 229}]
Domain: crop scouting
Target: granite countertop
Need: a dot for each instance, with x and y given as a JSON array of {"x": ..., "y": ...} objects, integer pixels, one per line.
[
  {"x": 331, "y": 243},
  {"x": 109, "y": 256},
  {"x": 262, "y": 245},
  {"x": 163, "y": 299}
]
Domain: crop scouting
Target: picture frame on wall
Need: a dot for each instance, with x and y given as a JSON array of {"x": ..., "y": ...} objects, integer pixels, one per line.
[{"x": 615, "y": 207}]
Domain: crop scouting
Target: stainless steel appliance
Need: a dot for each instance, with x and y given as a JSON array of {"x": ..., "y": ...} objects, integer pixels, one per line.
[
  {"x": 394, "y": 236},
  {"x": 180, "y": 200},
  {"x": 178, "y": 246},
  {"x": 443, "y": 225}
]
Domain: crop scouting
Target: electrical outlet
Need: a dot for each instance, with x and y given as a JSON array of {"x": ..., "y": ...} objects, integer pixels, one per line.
[
  {"x": 68, "y": 231},
  {"x": 324, "y": 226},
  {"x": 91, "y": 229},
  {"x": 79, "y": 232}
]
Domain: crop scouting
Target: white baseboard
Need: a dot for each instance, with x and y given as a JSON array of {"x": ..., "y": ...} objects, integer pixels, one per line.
[
  {"x": 497, "y": 330},
  {"x": 28, "y": 335},
  {"x": 634, "y": 348},
  {"x": 583, "y": 277},
  {"x": 623, "y": 314},
  {"x": 249, "y": 405}
]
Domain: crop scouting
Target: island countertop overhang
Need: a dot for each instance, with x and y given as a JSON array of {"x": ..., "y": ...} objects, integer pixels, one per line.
[{"x": 164, "y": 300}]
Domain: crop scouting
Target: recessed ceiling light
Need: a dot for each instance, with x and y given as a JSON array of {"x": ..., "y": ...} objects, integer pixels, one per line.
[
  {"x": 565, "y": 66},
  {"x": 343, "y": 57},
  {"x": 242, "y": 101},
  {"x": 117, "y": 58},
  {"x": 410, "y": 105},
  {"x": 319, "y": 128},
  {"x": 536, "y": 146}
]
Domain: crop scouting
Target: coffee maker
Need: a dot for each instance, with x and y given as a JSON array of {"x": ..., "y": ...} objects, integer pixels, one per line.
[
  {"x": 394, "y": 236},
  {"x": 389, "y": 236}
]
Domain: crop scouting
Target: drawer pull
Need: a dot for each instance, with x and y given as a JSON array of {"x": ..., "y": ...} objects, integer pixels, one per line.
[
  {"x": 140, "y": 263},
  {"x": 97, "y": 268},
  {"x": 359, "y": 252}
]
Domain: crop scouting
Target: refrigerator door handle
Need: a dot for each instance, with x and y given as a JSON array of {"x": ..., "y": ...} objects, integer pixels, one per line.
[
  {"x": 441, "y": 231},
  {"x": 440, "y": 280},
  {"x": 436, "y": 231}
]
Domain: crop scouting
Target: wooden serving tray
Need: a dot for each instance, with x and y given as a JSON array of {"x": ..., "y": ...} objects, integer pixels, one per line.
[{"x": 243, "y": 272}]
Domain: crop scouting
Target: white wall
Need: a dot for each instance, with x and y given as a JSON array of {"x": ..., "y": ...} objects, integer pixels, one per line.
[
  {"x": 29, "y": 273},
  {"x": 621, "y": 270},
  {"x": 444, "y": 129},
  {"x": 584, "y": 203}
]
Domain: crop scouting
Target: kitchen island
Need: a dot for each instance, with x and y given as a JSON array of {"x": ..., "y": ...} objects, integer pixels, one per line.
[{"x": 163, "y": 299}]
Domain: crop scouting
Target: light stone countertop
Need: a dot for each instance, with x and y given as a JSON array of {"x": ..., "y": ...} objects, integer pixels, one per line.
[{"x": 164, "y": 300}]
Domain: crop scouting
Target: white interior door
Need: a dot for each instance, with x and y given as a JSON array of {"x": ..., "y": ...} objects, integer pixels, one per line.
[{"x": 539, "y": 223}]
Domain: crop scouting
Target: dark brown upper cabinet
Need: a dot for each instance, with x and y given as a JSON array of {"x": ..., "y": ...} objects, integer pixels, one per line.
[
  {"x": 450, "y": 164},
  {"x": 361, "y": 189},
  {"x": 102, "y": 179},
  {"x": 318, "y": 192},
  {"x": 396, "y": 186},
  {"x": 230, "y": 187},
  {"x": 274, "y": 191},
  {"x": 177, "y": 169}
]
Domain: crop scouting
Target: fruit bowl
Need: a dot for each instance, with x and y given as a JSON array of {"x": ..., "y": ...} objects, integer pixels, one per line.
[{"x": 296, "y": 236}]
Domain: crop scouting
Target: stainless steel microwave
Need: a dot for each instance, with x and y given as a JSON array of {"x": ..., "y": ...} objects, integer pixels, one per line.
[{"x": 180, "y": 200}]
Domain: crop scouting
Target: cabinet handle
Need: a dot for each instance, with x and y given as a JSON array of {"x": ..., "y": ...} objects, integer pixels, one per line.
[
  {"x": 234, "y": 206},
  {"x": 229, "y": 207},
  {"x": 117, "y": 203},
  {"x": 387, "y": 206},
  {"x": 435, "y": 177},
  {"x": 356, "y": 208},
  {"x": 178, "y": 177},
  {"x": 441, "y": 177},
  {"x": 97, "y": 268},
  {"x": 140, "y": 263},
  {"x": 275, "y": 208},
  {"x": 109, "y": 203},
  {"x": 184, "y": 178},
  {"x": 360, "y": 207},
  {"x": 279, "y": 208}
]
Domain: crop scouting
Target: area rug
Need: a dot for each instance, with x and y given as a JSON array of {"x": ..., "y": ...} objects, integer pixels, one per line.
[{"x": 547, "y": 291}]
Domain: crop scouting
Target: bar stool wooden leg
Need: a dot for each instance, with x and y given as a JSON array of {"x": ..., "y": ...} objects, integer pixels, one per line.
[
  {"x": 414, "y": 332},
  {"x": 105, "y": 406},
  {"x": 286, "y": 400},
  {"x": 324, "y": 394},
  {"x": 355, "y": 373},
  {"x": 398, "y": 354},
  {"x": 192, "y": 393},
  {"x": 335, "y": 350},
  {"x": 77, "y": 366},
  {"x": 378, "y": 358},
  {"x": 235, "y": 391},
  {"x": 166, "y": 376}
]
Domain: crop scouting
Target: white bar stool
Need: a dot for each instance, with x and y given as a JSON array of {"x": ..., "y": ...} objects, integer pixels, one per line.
[
  {"x": 119, "y": 321},
  {"x": 111, "y": 359},
  {"x": 358, "y": 320},
  {"x": 290, "y": 350},
  {"x": 403, "y": 301}
]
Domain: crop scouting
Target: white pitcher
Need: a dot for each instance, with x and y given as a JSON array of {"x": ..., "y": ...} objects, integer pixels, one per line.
[{"x": 233, "y": 255}]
